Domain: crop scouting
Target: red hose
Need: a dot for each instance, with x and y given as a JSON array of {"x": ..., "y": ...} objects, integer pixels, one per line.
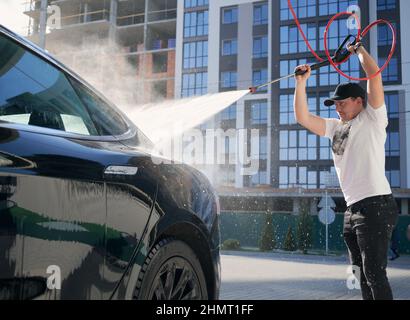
[{"x": 360, "y": 35}]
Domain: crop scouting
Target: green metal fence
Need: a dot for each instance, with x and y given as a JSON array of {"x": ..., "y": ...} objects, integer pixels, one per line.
[{"x": 247, "y": 228}]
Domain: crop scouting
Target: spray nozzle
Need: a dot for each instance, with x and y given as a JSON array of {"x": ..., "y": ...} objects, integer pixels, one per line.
[{"x": 253, "y": 90}]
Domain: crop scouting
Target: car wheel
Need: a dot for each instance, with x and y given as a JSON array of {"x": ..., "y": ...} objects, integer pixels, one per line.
[{"x": 171, "y": 271}]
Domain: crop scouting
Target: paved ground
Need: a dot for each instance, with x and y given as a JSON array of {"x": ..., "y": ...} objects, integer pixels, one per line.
[{"x": 277, "y": 276}]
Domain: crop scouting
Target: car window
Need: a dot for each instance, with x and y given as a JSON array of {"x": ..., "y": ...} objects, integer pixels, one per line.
[{"x": 34, "y": 92}]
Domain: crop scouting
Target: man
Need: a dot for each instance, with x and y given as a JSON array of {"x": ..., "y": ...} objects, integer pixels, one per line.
[{"x": 358, "y": 140}]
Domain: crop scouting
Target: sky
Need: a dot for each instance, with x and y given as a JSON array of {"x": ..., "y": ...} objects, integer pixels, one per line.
[{"x": 12, "y": 17}]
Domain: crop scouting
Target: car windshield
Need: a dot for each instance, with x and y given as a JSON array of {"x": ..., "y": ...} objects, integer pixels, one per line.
[{"x": 34, "y": 92}]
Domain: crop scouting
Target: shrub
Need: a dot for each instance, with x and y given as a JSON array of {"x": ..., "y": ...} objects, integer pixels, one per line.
[
  {"x": 304, "y": 230},
  {"x": 231, "y": 244},
  {"x": 267, "y": 241},
  {"x": 289, "y": 244}
]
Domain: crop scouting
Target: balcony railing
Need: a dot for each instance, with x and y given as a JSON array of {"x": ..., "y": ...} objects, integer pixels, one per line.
[
  {"x": 99, "y": 15},
  {"x": 162, "y": 15},
  {"x": 131, "y": 19}
]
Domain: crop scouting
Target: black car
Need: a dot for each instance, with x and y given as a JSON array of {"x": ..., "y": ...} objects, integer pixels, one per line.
[{"x": 87, "y": 211}]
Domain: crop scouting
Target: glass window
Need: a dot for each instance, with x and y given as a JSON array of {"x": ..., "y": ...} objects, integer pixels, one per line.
[
  {"x": 291, "y": 40},
  {"x": 328, "y": 76},
  {"x": 394, "y": 178},
  {"x": 260, "y": 153},
  {"x": 384, "y": 34},
  {"x": 196, "y": 24},
  {"x": 34, "y": 92},
  {"x": 195, "y": 3},
  {"x": 229, "y": 113},
  {"x": 288, "y": 67},
  {"x": 331, "y": 7},
  {"x": 260, "y": 178},
  {"x": 303, "y": 9},
  {"x": 392, "y": 104},
  {"x": 194, "y": 84},
  {"x": 297, "y": 145},
  {"x": 386, "y": 4},
  {"x": 229, "y": 47},
  {"x": 228, "y": 79},
  {"x": 392, "y": 144},
  {"x": 260, "y": 47},
  {"x": 294, "y": 177},
  {"x": 260, "y": 13},
  {"x": 230, "y": 15},
  {"x": 195, "y": 54},
  {"x": 260, "y": 77},
  {"x": 259, "y": 112},
  {"x": 391, "y": 73},
  {"x": 287, "y": 115}
]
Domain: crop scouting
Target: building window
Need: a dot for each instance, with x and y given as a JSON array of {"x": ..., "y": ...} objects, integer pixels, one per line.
[
  {"x": 229, "y": 47},
  {"x": 259, "y": 113},
  {"x": 260, "y": 14},
  {"x": 304, "y": 9},
  {"x": 288, "y": 67},
  {"x": 260, "y": 47},
  {"x": 230, "y": 15},
  {"x": 384, "y": 34},
  {"x": 229, "y": 79},
  {"x": 325, "y": 179},
  {"x": 331, "y": 7},
  {"x": 297, "y": 145},
  {"x": 386, "y": 5},
  {"x": 194, "y": 84},
  {"x": 394, "y": 178},
  {"x": 392, "y": 144},
  {"x": 392, "y": 103},
  {"x": 196, "y": 24},
  {"x": 293, "y": 177},
  {"x": 260, "y": 153},
  {"x": 287, "y": 114},
  {"x": 229, "y": 113},
  {"x": 195, "y": 3},
  {"x": 391, "y": 73},
  {"x": 286, "y": 111},
  {"x": 195, "y": 54},
  {"x": 328, "y": 76},
  {"x": 260, "y": 77},
  {"x": 260, "y": 178},
  {"x": 291, "y": 41},
  {"x": 336, "y": 35}
]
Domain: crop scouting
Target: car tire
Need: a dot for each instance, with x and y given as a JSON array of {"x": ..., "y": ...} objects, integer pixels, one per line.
[{"x": 171, "y": 271}]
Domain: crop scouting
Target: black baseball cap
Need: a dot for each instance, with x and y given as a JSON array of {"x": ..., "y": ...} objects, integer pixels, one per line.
[{"x": 344, "y": 91}]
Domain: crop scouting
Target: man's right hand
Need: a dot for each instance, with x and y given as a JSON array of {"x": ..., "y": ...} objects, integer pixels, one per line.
[{"x": 303, "y": 78}]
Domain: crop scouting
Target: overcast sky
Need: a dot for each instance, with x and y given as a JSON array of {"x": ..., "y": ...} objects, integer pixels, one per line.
[{"x": 12, "y": 17}]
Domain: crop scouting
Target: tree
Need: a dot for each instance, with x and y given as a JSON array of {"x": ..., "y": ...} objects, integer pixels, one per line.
[
  {"x": 304, "y": 228},
  {"x": 289, "y": 244},
  {"x": 267, "y": 242}
]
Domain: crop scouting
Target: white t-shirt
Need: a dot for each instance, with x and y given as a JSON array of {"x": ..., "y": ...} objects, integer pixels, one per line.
[{"x": 359, "y": 154}]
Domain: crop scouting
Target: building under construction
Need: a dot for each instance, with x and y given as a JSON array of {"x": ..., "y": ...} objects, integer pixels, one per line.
[{"x": 89, "y": 33}]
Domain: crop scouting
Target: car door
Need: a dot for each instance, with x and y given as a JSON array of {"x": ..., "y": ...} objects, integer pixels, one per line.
[{"x": 52, "y": 192}]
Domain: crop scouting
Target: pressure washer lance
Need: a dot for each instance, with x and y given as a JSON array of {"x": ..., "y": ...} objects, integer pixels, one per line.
[{"x": 340, "y": 56}]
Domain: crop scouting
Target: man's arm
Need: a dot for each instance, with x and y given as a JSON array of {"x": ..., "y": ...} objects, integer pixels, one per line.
[
  {"x": 311, "y": 122},
  {"x": 375, "y": 90}
]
